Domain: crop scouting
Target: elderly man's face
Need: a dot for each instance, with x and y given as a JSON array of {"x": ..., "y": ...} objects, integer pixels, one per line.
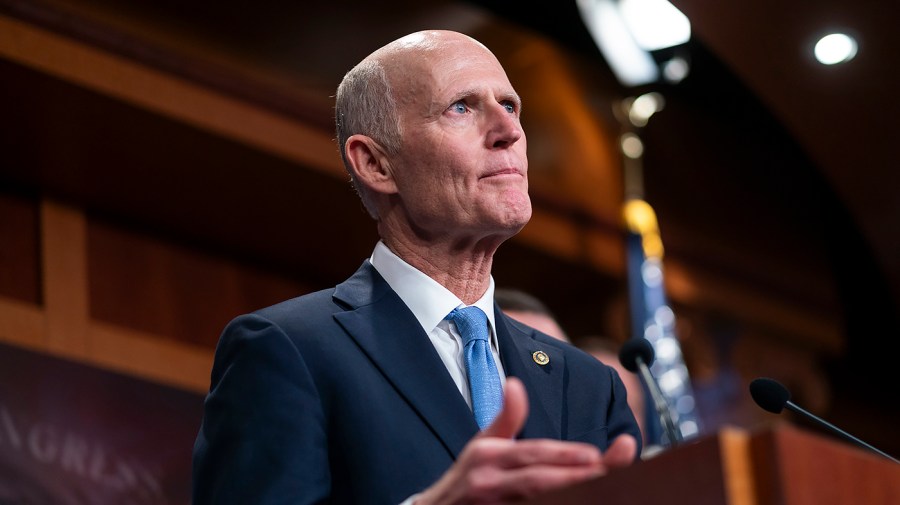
[{"x": 462, "y": 170}]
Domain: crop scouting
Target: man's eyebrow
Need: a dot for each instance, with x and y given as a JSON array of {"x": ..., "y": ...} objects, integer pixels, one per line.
[
  {"x": 465, "y": 93},
  {"x": 513, "y": 97}
]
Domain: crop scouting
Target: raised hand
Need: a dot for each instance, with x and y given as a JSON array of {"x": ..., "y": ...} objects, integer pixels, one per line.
[{"x": 494, "y": 467}]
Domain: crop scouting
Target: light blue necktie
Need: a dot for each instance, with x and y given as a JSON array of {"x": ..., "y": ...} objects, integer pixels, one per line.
[{"x": 484, "y": 380}]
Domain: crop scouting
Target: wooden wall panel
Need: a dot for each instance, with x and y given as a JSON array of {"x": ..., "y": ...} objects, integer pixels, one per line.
[
  {"x": 149, "y": 284},
  {"x": 119, "y": 297},
  {"x": 19, "y": 248}
]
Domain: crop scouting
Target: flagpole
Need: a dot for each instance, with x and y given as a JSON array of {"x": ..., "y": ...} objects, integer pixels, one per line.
[{"x": 651, "y": 316}]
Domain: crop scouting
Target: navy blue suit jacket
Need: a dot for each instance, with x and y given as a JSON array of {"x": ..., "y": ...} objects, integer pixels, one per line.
[{"x": 339, "y": 396}]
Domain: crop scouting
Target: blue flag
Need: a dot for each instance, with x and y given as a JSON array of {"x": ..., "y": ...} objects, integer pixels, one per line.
[{"x": 653, "y": 319}]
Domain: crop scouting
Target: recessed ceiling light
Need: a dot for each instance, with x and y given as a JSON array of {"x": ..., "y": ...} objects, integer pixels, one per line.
[{"x": 835, "y": 48}]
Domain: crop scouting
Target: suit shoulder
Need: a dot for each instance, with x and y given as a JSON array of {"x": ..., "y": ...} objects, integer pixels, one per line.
[{"x": 308, "y": 304}]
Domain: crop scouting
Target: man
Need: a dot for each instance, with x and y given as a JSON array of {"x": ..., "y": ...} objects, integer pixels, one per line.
[
  {"x": 527, "y": 309},
  {"x": 359, "y": 394}
]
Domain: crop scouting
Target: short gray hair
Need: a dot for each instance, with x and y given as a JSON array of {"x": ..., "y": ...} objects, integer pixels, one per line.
[{"x": 365, "y": 104}]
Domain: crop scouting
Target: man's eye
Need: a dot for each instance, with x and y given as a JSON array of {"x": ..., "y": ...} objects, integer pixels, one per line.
[
  {"x": 510, "y": 107},
  {"x": 459, "y": 107}
]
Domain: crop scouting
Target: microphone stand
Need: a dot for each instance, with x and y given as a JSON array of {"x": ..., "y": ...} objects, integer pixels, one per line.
[
  {"x": 659, "y": 401},
  {"x": 796, "y": 408}
]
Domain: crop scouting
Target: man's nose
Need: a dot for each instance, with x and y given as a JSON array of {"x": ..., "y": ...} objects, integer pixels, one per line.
[{"x": 504, "y": 128}]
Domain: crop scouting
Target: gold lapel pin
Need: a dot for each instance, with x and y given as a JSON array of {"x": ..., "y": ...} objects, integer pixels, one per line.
[{"x": 540, "y": 357}]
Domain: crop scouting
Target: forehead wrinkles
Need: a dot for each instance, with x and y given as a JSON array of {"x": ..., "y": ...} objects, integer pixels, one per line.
[
  {"x": 414, "y": 79},
  {"x": 413, "y": 87},
  {"x": 424, "y": 73}
]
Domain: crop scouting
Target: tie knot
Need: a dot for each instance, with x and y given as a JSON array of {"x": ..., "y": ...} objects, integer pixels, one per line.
[{"x": 471, "y": 323}]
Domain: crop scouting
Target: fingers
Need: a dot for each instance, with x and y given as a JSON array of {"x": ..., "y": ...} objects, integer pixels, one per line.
[
  {"x": 490, "y": 485},
  {"x": 509, "y": 454},
  {"x": 494, "y": 466},
  {"x": 511, "y": 419},
  {"x": 493, "y": 469},
  {"x": 505, "y": 469},
  {"x": 621, "y": 452},
  {"x": 512, "y": 416}
]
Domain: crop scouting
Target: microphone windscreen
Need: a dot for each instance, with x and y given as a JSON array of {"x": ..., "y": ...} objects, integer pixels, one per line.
[
  {"x": 769, "y": 394},
  {"x": 631, "y": 349}
]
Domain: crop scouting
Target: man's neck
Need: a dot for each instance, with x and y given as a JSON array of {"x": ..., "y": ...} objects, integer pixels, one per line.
[{"x": 464, "y": 271}]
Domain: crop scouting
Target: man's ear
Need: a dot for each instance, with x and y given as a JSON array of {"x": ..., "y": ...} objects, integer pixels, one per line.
[{"x": 370, "y": 165}]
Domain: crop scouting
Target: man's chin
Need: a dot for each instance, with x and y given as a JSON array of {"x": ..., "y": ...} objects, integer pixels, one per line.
[{"x": 521, "y": 217}]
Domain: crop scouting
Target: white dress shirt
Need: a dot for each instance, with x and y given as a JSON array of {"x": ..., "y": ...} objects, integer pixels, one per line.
[{"x": 430, "y": 303}]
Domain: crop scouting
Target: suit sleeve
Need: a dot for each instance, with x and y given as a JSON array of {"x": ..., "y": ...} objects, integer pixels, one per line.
[
  {"x": 600, "y": 408},
  {"x": 263, "y": 435},
  {"x": 621, "y": 418}
]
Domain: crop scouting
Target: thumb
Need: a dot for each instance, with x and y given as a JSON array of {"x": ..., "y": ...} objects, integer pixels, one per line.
[{"x": 511, "y": 418}]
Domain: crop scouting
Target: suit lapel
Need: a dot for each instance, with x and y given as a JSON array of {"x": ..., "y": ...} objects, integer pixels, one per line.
[
  {"x": 544, "y": 383},
  {"x": 392, "y": 338}
]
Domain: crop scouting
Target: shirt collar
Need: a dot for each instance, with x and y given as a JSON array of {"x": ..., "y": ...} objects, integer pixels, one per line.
[{"x": 429, "y": 301}]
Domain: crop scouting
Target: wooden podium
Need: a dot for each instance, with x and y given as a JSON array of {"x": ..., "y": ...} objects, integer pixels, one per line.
[{"x": 782, "y": 465}]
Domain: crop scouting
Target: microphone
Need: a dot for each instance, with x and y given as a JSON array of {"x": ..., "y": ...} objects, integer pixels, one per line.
[
  {"x": 636, "y": 355},
  {"x": 773, "y": 397}
]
